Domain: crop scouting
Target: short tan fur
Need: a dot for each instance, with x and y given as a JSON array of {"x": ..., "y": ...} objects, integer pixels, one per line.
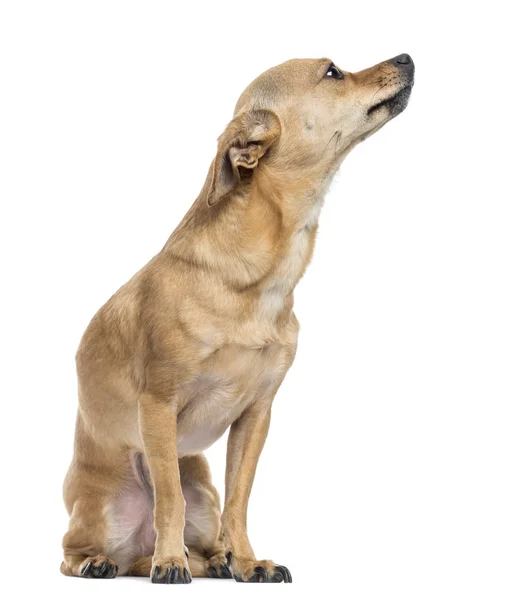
[{"x": 200, "y": 339}]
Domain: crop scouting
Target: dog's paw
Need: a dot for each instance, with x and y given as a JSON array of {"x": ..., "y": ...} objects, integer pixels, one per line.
[
  {"x": 259, "y": 571},
  {"x": 171, "y": 570},
  {"x": 98, "y": 567},
  {"x": 218, "y": 567}
]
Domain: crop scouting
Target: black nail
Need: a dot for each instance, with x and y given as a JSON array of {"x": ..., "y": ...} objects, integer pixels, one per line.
[
  {"x": 261, "y": 572},
  {"x": 225, "y": 572},
  {"x": 86, "y": 569},
  {"x": 285, "y": 573},
  {"x": 187, "y": 576},
  {"x": 277, "y": 577}
]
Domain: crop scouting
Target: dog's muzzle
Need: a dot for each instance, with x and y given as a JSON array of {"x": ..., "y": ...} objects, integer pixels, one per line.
[{"x": 397, "y": 102}]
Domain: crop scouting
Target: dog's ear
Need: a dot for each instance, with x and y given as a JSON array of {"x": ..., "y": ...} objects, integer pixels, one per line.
[{"x": 240, "y": 147}]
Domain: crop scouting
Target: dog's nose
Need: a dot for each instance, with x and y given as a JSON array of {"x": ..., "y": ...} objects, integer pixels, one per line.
[{"x": 403, "y": 61}]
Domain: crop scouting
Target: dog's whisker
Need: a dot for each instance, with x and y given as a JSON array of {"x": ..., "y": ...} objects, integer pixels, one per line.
[
  {"x": 377, "y": 91},
  {"x": 331, "y": 139},
  {"x": 337, "y": 140}
]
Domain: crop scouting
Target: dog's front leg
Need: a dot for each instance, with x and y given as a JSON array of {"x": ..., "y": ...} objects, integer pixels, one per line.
[
  {"x": 158, "y": 426},
  {"x": 245, "y": 443}
]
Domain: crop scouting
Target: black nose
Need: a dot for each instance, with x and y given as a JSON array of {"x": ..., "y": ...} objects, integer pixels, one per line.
[{"x": 403, "y": 60}]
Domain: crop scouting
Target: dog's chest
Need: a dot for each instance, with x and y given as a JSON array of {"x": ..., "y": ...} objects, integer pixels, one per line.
[
  {"x": 213, "y": 404},
  {"x": 253, "y": 360},
  {"x": 214, "y": 400}
]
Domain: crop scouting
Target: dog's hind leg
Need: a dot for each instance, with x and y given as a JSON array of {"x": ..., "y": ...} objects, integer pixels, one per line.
[
  {"x": 92, "y": 481},
  {"x": 203, "y": 533}
]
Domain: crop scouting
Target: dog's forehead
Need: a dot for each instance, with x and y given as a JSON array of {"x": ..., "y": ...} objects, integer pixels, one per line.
[
  {"x": 281, "y": 80},
  {"x": 296, "y": 67}
]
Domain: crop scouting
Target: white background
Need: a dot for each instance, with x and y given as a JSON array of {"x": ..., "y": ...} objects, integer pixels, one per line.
[{"x": 397, "y": 465}]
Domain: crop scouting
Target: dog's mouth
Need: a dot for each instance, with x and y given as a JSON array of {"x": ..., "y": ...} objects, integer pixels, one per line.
[{"x": 396, "y": 103}]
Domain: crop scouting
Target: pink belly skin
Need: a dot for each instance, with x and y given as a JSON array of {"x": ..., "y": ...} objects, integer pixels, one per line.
[
  {"x": 130, "y": 523},
  {"x": 131, "y": 532}
]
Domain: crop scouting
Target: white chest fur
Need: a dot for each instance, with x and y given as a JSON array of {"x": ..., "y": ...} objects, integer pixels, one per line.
[
  {"x": 212, "y": 405},
  {"x": 290, "y": 267},
  {"x": 212, "y": 402}
]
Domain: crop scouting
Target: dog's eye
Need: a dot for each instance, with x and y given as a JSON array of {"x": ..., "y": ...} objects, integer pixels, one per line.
[{"x": 334, "y": 73}]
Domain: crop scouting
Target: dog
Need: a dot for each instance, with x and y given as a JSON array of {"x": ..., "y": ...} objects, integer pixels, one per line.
[{"x": 200, "y": 339}]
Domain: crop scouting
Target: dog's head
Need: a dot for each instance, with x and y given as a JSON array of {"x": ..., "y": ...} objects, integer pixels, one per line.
[{"x": 306, "y": 115}]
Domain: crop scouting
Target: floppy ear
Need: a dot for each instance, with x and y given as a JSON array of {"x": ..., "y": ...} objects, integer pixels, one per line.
[{"x": 240, "y": 147}]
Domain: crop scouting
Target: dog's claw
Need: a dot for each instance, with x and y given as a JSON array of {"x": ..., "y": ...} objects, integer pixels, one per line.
[
  {"x": 276, "y": 577},
  {"x": 261, "y": 575},
  {"x": 284, "y": 573},
  {"x": 264, "y": 572},
  {"x": 172, "y": 575},
  {"x": 158, "y": 579},
  {"x": 225, "y": 572},
  {"x": 101, "y": 571},
  {"x": 105, "y": 570}
]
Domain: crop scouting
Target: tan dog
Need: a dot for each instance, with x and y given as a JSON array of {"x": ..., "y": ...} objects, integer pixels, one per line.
[{"x": 201, "y": 338}]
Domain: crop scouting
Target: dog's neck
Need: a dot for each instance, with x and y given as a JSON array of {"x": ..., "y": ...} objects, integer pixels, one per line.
[{"x": 261, "y": 237}]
